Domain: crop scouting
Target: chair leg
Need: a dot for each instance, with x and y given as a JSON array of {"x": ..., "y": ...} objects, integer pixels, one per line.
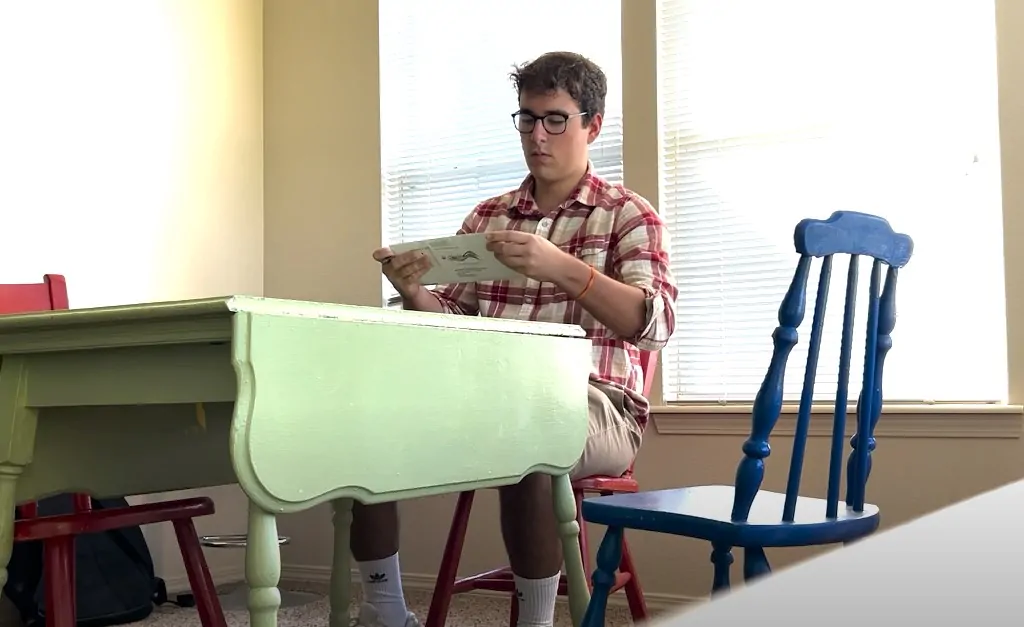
[
  {"x": 513, "y": 609},
  {"x": 755, "y": 564},
  {"x": 448, "y": 571},
  {"x": 634, "y": 593},
  {"x": 584, "y": 549},
  {"x": 199, "y": 578},
  {"x": 609, "y": 557},
  {"x": 59, "y": 578},
  {"x": 721, "y": 557},
  {"x": 82, "y": 503}
]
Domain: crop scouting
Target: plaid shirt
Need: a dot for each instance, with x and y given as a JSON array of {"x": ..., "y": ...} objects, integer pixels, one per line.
[{"x": 610, "y": 228}]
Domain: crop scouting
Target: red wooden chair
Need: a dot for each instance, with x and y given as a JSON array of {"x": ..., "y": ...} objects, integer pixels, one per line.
[
  {"x": 57, "y": 533},
  {"x": 500, "y": 579}
]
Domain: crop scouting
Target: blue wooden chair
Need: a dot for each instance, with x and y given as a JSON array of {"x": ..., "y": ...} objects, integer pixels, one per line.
[{"x": 746, "y": 516}]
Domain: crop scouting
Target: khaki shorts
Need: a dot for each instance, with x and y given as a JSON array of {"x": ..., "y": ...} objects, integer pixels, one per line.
[{"x": 613, "y": 437}]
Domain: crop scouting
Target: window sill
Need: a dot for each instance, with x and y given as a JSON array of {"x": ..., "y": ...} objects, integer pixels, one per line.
[{"x": 898, "y": 420}]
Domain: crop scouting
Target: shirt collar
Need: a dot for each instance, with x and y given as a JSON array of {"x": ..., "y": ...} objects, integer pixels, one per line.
[{"x": 522, "y": 203}]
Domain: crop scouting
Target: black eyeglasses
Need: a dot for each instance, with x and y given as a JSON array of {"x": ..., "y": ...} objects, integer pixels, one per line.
[{"x": 554, "y": 123}]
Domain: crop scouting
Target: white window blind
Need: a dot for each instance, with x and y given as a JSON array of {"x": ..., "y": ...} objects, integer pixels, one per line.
[
  {"x": 447, "y": 138},
  {"x": 776, "y": 111}
]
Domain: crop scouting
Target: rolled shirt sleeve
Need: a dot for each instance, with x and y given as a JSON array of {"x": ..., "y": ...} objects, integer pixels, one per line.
[{"x": 640, "y": 258}]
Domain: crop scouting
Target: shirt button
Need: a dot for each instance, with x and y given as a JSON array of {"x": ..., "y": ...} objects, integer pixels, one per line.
[
  {"x": 545, "y": 223},
  {"x": 528, "y": 300}
]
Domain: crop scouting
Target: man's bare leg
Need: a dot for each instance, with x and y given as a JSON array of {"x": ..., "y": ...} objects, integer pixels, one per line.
[
  {"x": 528, "y": 522},
  {"x": 374, "y": 545},
  {"x": 530, "y": 531}
]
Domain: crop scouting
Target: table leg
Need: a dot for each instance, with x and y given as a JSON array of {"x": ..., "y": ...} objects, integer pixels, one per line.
[
  {"x": 569, "y": 529},
  {"x": 18, "y": 424},
  {"x": 8, "y": 481},
  {"x": 263, "y": 568},
  {"x": 341, "y": 569}
]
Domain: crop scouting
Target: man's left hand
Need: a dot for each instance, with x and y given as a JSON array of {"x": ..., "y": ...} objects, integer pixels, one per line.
[{"x": 528, "y": 254}]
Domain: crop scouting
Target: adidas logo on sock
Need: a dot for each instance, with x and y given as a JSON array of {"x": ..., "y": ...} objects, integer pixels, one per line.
[{"x": 378, "y": 578}]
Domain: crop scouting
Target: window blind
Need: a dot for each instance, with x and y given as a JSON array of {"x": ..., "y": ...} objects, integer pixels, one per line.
[
  {"x": 775, "y": 111},
  {"x": 447, "y": 138}
]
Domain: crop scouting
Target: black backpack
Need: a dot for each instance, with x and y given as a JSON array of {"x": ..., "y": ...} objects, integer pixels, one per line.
[{"x": 115, "y": 580}]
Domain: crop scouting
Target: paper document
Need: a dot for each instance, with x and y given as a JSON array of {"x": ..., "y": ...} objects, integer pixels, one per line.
[{"x": 459, "y": 259}]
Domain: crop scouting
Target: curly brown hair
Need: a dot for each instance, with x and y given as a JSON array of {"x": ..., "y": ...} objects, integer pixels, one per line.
[{"x": 577, "y": 75}]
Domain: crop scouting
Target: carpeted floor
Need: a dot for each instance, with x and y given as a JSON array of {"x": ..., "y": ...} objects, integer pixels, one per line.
[{"x": 466, "y": 611}]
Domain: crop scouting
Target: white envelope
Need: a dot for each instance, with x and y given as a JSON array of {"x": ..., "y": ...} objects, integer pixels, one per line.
[{"x": 459, "y": 259}]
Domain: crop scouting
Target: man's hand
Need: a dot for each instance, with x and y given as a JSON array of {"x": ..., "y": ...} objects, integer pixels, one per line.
[
  {"x": 403, "y": 270},
  {"x": 529, "y": 254}
]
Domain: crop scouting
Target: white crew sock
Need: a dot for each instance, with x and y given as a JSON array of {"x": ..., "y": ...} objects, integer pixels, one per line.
[
  {"x": 382, "y": 588},
  {"x": 536, "y": 600}
]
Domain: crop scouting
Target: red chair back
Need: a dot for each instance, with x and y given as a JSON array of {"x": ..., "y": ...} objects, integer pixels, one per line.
[
  {"x": 648, "y": 364},
  {"x": 50, "y": 295}
]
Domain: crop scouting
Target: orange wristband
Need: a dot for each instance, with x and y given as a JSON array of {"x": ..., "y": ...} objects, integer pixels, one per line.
[{"x": 590, "y": 283}]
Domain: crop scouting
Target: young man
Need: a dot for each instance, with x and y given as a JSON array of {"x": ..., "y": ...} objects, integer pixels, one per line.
[{"x": 591, "y": 254}]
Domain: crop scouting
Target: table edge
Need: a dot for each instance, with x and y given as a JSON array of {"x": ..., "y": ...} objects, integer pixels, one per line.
[{"x": 263, "y": 306}]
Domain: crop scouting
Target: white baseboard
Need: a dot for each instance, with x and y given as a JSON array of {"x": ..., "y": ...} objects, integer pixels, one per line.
[
  {"x": 321, "y": 575},
  {"x": 221, "y": 576}
]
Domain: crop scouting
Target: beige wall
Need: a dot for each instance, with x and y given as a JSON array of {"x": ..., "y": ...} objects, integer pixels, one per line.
[
  {"x": 323, "y": 217},
  {"x": 322, "y": 162},
  {"x": 136, "y": 166}
]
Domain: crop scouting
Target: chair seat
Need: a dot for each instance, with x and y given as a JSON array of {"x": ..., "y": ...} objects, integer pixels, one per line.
[
  {"x": 99, "y": 520},
  {"x": 625, "y": 483},
  {"x": 704, "y": 512}
]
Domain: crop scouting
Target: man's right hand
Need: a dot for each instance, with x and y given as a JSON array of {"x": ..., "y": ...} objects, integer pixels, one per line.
[{"x": 403, "y": 270}]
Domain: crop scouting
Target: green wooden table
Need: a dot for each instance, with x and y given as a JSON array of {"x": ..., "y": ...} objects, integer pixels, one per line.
[{"x": 299, "y": 403}]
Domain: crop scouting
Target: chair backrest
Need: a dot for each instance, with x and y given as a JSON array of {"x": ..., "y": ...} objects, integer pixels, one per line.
[
  {"x": 648, "y": 364},
  {"x": 844, "y": 233},
  {"x": 50, "y": 295}
]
